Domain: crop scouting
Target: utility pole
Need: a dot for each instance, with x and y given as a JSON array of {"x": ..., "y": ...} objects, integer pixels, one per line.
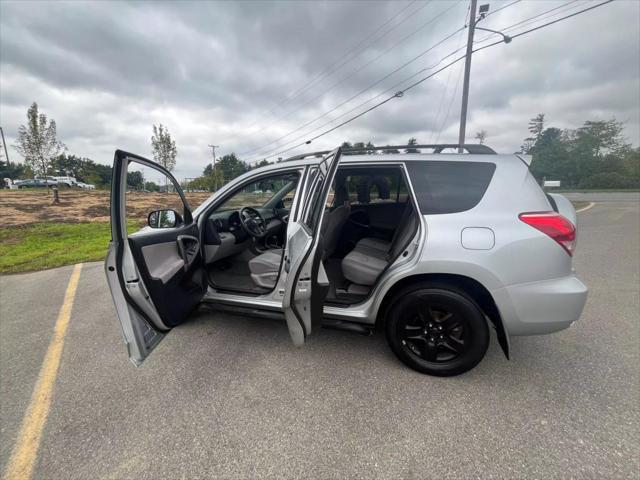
[
  {"x": 473, "y": 26},
  {"x": 213, "y": 169},
  {"x": 4, "y": 145},
  {"x": 467, "y": 73}
]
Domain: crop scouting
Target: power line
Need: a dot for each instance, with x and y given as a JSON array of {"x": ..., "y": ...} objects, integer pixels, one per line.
[
  {"x": 547, "y": 24},
  {"x": 501, "y": 8},
  {"x": 329, "y": 70},
  {"x": 379, "y": 104},
  {"x": 342, "y": 60},
  {"x": 559, "y": 9},
  {"x": 342, "y": 80},
  {"x": 258, "y": 149},
  {"x": 453, "y": 97},
  {"x": 369, "y": 87},
  {"x": 444, "y": 92},
  {"x": 415, "y": 84},
  {"x": 393, "y": 87}
]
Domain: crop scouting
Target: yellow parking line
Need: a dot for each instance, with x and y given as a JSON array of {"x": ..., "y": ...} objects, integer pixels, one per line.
[
  {"x": 23, "y": 457},
  {"x": 584, "y": 209}
]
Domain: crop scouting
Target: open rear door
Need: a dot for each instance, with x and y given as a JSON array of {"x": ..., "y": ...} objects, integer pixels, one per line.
[
  {"x": 156, "y": 275},
  {"x": 307, "y": 283}
]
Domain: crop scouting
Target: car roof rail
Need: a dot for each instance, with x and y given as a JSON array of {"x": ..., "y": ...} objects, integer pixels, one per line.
[{"x": 471, "y": 148}]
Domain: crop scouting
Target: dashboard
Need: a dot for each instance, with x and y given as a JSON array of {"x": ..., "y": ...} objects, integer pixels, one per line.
[
  {"x": 221, "y": 224},
  {"x": 225, "y": 237}
]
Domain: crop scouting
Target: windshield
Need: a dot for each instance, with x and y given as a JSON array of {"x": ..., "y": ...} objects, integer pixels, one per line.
[{"x": 267, "y": 192}]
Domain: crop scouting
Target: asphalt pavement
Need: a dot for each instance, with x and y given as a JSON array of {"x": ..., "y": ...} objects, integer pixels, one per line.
[{"x": 230, "y": 397}]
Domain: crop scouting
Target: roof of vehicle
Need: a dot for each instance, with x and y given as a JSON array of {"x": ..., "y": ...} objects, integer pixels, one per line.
[{"x": 477, "y": 153}]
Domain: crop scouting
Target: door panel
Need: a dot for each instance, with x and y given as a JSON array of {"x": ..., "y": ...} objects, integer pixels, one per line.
[
  {"x": 182, "y": 289},
  {"x": 307, "y": 284},
  {"x": 156, "y": 276}
]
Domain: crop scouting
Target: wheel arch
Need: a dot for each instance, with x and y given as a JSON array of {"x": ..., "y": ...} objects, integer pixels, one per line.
[{"x": 468, "y": 285}]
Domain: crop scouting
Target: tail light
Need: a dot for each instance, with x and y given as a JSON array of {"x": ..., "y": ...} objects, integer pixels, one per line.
[{"x": 554, "y": 225}]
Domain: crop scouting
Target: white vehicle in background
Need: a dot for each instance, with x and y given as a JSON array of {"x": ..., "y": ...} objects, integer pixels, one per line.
[
  {"x": 66, "y": 181},
  {"x": 48, "y": 180},
  {"x": 86, "y": 186}
]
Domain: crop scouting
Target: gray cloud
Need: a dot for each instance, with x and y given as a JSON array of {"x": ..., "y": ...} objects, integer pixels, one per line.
[{"x": 211, "y": 71}]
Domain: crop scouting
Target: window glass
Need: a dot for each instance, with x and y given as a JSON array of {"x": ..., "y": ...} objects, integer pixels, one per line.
[
  {"x": 141, "y": 199},
  {"x": 449, "y": 187},
  {"x": 310, "y": 213},
  {"x": 371, "y": 185},
  {"x": 277, "y": 190}
]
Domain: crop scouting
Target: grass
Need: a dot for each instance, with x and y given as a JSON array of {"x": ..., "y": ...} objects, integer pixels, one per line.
[{"x": 47, "y": 245}]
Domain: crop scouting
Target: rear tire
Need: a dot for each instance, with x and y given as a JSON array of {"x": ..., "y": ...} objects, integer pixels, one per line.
[{"x": 437, "y": 330}]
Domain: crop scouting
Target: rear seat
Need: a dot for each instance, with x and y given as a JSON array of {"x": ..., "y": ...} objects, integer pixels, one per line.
[
  {"x": 375, "y": 244},
  {"x": 364, "y": 264}
]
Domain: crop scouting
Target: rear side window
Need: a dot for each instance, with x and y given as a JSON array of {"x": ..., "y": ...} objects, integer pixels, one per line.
[
  {"x": 364, "y": 186},
  {"x": 449, "y": 187}
]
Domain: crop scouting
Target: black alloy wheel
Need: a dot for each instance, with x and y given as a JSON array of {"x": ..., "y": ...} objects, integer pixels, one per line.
[{"x": 437, "y": 331}]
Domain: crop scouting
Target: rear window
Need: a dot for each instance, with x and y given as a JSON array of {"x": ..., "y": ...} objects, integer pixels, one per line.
[{"x": 449, "y": 187}]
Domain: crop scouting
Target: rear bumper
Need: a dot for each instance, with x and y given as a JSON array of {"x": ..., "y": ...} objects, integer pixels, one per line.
[{"x": 541, "y": 307}]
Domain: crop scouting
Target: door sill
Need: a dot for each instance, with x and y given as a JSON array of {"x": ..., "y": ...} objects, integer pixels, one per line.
[{"x": 267, "y": 314}]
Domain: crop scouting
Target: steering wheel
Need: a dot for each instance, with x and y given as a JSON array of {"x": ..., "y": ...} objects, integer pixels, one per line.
[{"x": 252, "y": 222}]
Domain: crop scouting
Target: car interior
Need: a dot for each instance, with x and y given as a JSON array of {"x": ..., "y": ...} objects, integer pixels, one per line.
[{"x": 369, "y": 220}]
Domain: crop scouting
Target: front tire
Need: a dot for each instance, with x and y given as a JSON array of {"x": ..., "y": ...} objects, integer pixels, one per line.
[{"x": 437, "y": 331}]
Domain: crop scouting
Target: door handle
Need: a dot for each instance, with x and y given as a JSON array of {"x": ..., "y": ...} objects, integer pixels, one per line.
[
  {"x": 287, "y": 263},
  {"x": 188, "y": 246}
]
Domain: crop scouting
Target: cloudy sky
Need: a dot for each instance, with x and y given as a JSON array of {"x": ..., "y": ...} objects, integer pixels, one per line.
[{"x": 243, "y": 75}]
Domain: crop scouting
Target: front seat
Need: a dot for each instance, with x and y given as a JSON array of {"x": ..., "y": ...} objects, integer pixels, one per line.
[
  {"x": 334, "y": 220},
  {"x": 265, "y": 267}
]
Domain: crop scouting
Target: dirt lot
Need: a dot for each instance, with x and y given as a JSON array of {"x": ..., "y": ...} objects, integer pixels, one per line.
[{"x": 25, "y": 207}]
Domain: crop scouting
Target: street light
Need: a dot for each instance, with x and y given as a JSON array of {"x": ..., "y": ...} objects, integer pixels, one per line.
[
  {"x": 484, "y": 11},
  {"x": 505, "y": 38}
]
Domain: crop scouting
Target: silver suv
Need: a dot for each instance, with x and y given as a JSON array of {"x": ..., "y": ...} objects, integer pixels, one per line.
[{"x": 434, "y": 248}]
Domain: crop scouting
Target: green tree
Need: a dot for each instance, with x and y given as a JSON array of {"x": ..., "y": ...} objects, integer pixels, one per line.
[
  {"x": 412, "y": 141},
  {"x": 37, "y": 141},
  {"x": 83, "y": 169},
  {"x": 209, "y": 180},
  {"x": 596, "y": 155},
  {"x": 536, "y": 127},
  {"x": 370, "y": 148},
  {"x": 349, "y": 146},
  {"x": 163, "y": 147},
  {"x": 135, "y": 180},
  {"x": 481, "y": 136},
  {"x": 151, "y": 186},
  {"x": 12, "y": 171},
  {"x": 391, "y": 150},
  {"x": 230, "y": 167}
]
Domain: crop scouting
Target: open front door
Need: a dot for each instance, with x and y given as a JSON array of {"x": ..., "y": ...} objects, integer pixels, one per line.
[
  {"x": 307, "y": 283},
  {"x": 156, "y": 275}
]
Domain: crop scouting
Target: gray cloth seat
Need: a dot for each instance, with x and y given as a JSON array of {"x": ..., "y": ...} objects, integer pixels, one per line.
[
  {"x": 334, "y": 220},
  {"x": 265, "y": 267},
  {"x": 364, "y": 264},
  {"x": 376, "y": 244}
]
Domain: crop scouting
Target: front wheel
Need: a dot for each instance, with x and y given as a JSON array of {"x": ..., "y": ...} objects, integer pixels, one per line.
[{"x": 437, "y": 331}]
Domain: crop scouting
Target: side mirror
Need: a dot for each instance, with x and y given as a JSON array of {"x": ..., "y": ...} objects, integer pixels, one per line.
[{"x": 164, "y": 219}]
